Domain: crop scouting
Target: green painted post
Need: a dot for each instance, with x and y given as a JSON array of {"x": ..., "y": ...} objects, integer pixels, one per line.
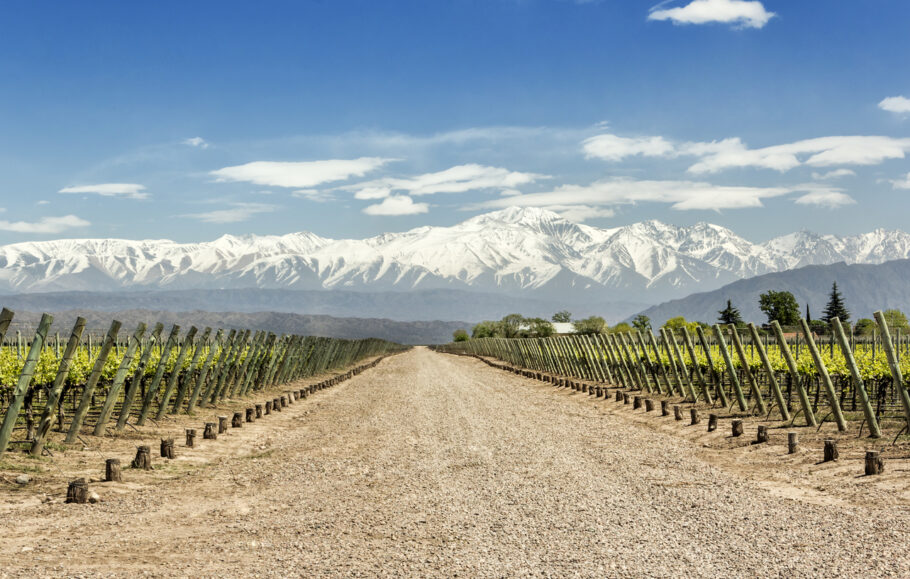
[
  {"x": 826, "y": 379},
  {"x": 687, "y": 340},
  {"x": 203, "y": 374},
  {"x": 49, "y": 415},
  {"x": 794, "y": 374},
  {"x": 718, "y": 377},
  {"x": 874, "y": 430},
  {"x": 159, "y": 374},
  {"x": 175, "y": 373},
  {"x": 25, "y": 379},
  {"x": 728, "y": 361},
  {"x": 187, "y": 377},
  {"x": 124, "y": 369},
  {"x": 130, "y": 395},
  {"x": 769, "y": 372},
  {"x": 92, "y": 382},
  {"x": 896, "y": 375}
]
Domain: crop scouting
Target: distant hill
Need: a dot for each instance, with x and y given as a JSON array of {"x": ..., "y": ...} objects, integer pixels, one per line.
[
  {"x": 866, "y": 288},
  {"x": 402, "y": 332}
]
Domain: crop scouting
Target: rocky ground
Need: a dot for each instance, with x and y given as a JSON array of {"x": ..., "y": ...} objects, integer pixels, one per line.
[{"x": 433, "y": 465}]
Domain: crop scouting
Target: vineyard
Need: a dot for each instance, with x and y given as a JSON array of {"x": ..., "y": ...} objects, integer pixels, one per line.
[
  {"x": 104, "y": 383},
  {"x": 789, "y": 375}
]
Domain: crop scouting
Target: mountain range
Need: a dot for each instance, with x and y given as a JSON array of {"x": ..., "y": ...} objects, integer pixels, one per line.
[{"x": 518, "y": 252}]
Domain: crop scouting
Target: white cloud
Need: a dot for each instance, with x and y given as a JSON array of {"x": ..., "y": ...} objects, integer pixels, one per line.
[
  {"x": 741, "y": 13},
  {"x": 902, "y": 183},
  {"x": 509, "y": 192},
  {"x": 836, "y": 174},
  {"x": 235, "y": 213},
  {"x": 818, "y": 152},
  {"x": 616, "y": 148},
  {"x": 126, "y": 190},
  {"x": 43, "y": 202},
  {"x": 301, "y": 175},
  {"x": 681, "y": 195},
  {"x": 196, "y": 142},
  {"x": 895, "y": 104},
  {"x": 458, "y": 179},
  {"x": 580, "y": 213},
  {"x": 316, "y": 195},
  {"x": 397, "y": 205},
  {"x": 831, "y": 198},
  {"x": 44, "y": 225}
]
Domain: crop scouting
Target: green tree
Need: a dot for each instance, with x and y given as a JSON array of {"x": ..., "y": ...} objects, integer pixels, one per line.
[
  {"x": 621, "y": 328},
  {"x": 730, "y": 315},
  {"x": 896, "y": 320},
  {"x": 865, "y": 326},
  {"x": 836, "y": 307},
  {"x": 460, "y": 335},
  {"x": 563, "y": 317},
  {"x": 485, "y": 329},
  {"x": 678, "y": 323},
  {"x": 510, "y": 325},
  {"x": 642, "y": 323},
  {"x": 780, "y": 306},
  {"x": 537, "y": 328},
  {"x": 591, "y": 325}
]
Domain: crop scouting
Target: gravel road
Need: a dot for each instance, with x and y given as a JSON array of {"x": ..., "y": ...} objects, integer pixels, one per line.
[{"x": 432, "y": 465}]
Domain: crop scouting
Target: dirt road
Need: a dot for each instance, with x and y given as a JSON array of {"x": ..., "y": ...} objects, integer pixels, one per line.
[{"x": 436, "y": 465}]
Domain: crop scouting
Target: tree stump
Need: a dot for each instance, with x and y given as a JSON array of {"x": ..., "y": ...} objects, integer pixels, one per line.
[
  {"x": 712, "y": 422},
  {"x": 792, "y": 442},
  {"x": 222, "y": 424},
  {"x": 77, "y": 492},
  {"x": 625, "y": 398},
  {"x": 250, "y": 414},
  {"x": 664, "y": 408},
  {"x": 290, "y": 397},
  {"x": 762, "y": 435},
  {"x": 636, "y": 403},
  {"x": 874, "y": 463},
  {"x": 276, "y": 404},
  {"x": 143, "y": 458},
  {"x": 167, "y": 448},
  {"x": 677, "y": 412},
  {"x": 237, "y": 420},
  {"x": 618, "y": 396},
  {"x": 693, "y": 413},
  {"x": 284, "y": 401},
  {"x": 112, "y": 470},
  {"x": 737, "y": 428},
  {"x": 210, "y": 432},
  {"x": 830, "y": 450},
  {"x": 268, "y": 407},
  {"x": 190, "y": 437},
  {"x": 259, "y": 411},
  {"x": 649, "y": 405}
]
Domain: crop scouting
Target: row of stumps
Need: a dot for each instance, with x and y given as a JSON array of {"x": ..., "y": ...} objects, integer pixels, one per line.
[
  {"x": 874, "y": 464},
  {"x": 78, "y": 491}
]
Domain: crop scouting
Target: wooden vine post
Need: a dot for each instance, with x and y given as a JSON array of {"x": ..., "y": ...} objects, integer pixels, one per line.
[
  {"x": 826, "y": 379},
  {"x": 794, "y": 374},
  {"x": 868, "y": 412},
  {"x": 117, "y": 384},
  {"x": 893, "y": 363}
]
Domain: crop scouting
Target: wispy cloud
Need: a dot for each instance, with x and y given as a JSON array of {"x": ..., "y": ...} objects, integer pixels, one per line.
[
  {"x": 831, "y": 198},
  {"x": 300, "y": 175},
  {"x": 196, "y": 142},
  {"x": 317, "y": 195},
  {"x": 458, "y": 179},
  {"x": 895, "y": 104},
  {"x": 902, "y": 183},
  {"x": 235, "y": 213},
  {"x": 397, "y": 205},
  {"x": 125, "y": 190},
  {"x": 44, "y": 225},
  {"x": 836, "y": 174},
  {"x": 739, "y": 13},
  {"x": 732, "y": 153}
]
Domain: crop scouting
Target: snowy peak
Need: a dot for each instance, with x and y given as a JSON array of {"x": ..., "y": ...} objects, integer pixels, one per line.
[{"x": 512, "y": 251}]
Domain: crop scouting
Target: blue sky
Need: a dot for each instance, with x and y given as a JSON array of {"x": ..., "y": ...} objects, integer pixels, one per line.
[{"x": 189, "y": 120}]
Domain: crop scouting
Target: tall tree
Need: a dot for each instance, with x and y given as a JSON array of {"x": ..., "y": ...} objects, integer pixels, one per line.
[
  {"x": 836, "y": 307},
  {"x": 780, "y": 306},
  {"x": 642, "y": 323},
  {"x": 730, "y": 315},
  {"x": 562, "y": 317}
]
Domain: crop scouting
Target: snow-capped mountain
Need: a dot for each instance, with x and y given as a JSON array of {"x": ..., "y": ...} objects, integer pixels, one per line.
[{"x": 525, "y": 251}]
